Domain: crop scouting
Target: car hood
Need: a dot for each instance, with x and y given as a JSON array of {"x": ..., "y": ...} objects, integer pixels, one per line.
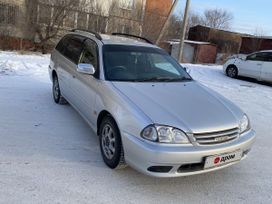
[{"x": 189, "y": 106}]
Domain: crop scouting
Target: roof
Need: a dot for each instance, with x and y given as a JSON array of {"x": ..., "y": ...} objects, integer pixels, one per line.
[
  {"x": 114, "y": 39},
  {"x": 120, "y": 40},
  {"x": 243, "y": 35},
  {"x": 265, "y": 51},
  {"x": 222, "y": 30},
  {"x": 176, "y": 41},
  {"x": 259, "y": 37}
]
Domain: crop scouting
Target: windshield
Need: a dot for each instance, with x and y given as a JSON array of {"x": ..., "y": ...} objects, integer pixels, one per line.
[{"x": 141, "y": 64}]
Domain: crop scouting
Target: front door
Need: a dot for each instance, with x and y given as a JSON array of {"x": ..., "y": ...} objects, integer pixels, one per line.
[{"x": 85, "y": 86}]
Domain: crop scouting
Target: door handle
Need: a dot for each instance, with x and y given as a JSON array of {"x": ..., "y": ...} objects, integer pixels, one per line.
[
  {"x": 259, "y": 64},
  {"x": 74, "y": 76}
]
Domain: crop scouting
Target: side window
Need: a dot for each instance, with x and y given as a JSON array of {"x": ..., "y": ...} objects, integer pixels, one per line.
[
  {"x": 267, "y": 56},
  {"x": 261, "y": 56},
  {"x": 89, "y": 54},
  {"x": 270, "y": 57},
  {"x": 252, "y": 57},
  {"x": 73, "y": 48},
  {"x": 61, "y": 45}
]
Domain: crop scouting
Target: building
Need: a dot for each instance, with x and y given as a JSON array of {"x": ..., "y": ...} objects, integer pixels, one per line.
[
  {"x": 101, "y": 16},
  {"x": 13, "y": 24},
  {"x": 230, "y": 42},
  {"x": 227, "y": 42},
  {"x": 155, "y": 15},
  {"x": 193, "y": 51},
  {"x": 251, "y": 44},
  {"x": 107, "y": 16}
]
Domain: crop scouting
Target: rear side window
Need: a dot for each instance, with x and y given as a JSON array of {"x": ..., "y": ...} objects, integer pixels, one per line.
[
  {"x": 267, "y": 56},
  {"x": 270, "y": 57},
  {"x": 61, "y": 45}
]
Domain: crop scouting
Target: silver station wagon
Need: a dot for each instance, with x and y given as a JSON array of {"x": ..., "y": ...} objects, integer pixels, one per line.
[{"x": 145, "y": 108}]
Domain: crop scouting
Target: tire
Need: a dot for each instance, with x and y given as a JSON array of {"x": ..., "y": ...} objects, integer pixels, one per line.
[
  {"x": 111, "y": 144},
  {"x": 232, "y": 71},
  {"x": 58, "y": 98}
]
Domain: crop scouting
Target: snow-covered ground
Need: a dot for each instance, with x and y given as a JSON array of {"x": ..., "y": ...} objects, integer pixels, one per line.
[{"x": 48, "y": 154}]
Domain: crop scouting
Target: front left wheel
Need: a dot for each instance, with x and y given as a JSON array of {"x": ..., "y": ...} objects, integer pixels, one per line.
[
  {"x": 111, "y": 144},
  {"x": 232, "y": 71}
]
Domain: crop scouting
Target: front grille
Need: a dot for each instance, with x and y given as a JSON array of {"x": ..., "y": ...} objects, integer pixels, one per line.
[{"x": 218, "y": 137}]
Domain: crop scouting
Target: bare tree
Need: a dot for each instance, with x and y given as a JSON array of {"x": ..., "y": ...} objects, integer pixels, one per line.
[
  {"x": 259, "y": 32},
  {"x": 175, "y": 24},
  {"x": 195, "y": 19},
  {"x": 58, "y": 11},
  {"x": 217, "y": 18},
  {"x": 214, "y": 18},
  {"x": 174, "y": 28},
  {"x": 256, "y": 40}
]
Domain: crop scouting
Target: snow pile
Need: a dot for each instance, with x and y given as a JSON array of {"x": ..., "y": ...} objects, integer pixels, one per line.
[{"x": 12, "y": 63}]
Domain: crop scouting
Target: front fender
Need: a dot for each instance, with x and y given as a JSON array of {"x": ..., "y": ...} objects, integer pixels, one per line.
[{"x": 128, "y": 116}]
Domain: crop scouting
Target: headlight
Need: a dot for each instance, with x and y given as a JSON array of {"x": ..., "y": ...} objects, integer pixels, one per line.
[
  {"x": 244, "y": 124},
  {"x": 150, "y": 133},
  {"x": 165, "y": 134}
]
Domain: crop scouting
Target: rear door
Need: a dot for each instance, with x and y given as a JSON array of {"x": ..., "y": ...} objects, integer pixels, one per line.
[
  {"x": 60, "y": 65},
  {"x": 252, "y": 66},
  {"x": 85, "y": 86},
  {"x": 266, "y": 73}
]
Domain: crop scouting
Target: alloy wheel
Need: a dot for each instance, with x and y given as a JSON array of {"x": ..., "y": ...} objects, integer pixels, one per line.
[
  {"x": 56, "y": 89},
  {"x": 108, "y": 141},
  {"x": 232, "y": 72}
]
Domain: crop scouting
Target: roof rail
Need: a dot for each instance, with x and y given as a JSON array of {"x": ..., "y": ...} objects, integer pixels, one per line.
[
  {"x": 88, "y": 31},
  {"x": 134, "y": 36}
]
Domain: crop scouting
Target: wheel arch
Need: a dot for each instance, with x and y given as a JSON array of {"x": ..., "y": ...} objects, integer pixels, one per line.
[
  {"x": 232, "y": 65},
  {"x": 54, "y": 74},
  {"x": 100, "y": 117}
]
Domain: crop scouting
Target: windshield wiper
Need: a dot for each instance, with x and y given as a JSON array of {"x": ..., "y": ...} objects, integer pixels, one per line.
[
  {"x": 165, "y": 79},
  {"x": 181, "y": 79}
]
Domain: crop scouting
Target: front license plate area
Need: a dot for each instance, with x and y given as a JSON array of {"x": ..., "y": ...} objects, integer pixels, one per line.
[{"x": 222, "y": 159}]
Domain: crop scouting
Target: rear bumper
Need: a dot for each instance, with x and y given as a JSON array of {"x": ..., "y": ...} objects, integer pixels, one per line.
[{"x": 141, "y": 155}]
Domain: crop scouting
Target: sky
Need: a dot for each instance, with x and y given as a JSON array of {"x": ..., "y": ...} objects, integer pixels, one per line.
[{"x": 249, "y": 15}]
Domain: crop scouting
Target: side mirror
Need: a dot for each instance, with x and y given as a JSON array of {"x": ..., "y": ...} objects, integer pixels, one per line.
[{"x": 86, "y": 68}]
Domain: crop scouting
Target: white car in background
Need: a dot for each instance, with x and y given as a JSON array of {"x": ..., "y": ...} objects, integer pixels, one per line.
[{"x": 257, "y": 65}]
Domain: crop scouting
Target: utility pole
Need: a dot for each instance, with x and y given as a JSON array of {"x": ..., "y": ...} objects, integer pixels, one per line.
[
  {"x": 183, "y": 30},
  {"x": 143, "y": 16},
  {"x": 167, "y": 21}
]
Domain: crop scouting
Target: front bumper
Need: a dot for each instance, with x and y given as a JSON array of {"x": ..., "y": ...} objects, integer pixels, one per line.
[{"x": 141, "y": 155}]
